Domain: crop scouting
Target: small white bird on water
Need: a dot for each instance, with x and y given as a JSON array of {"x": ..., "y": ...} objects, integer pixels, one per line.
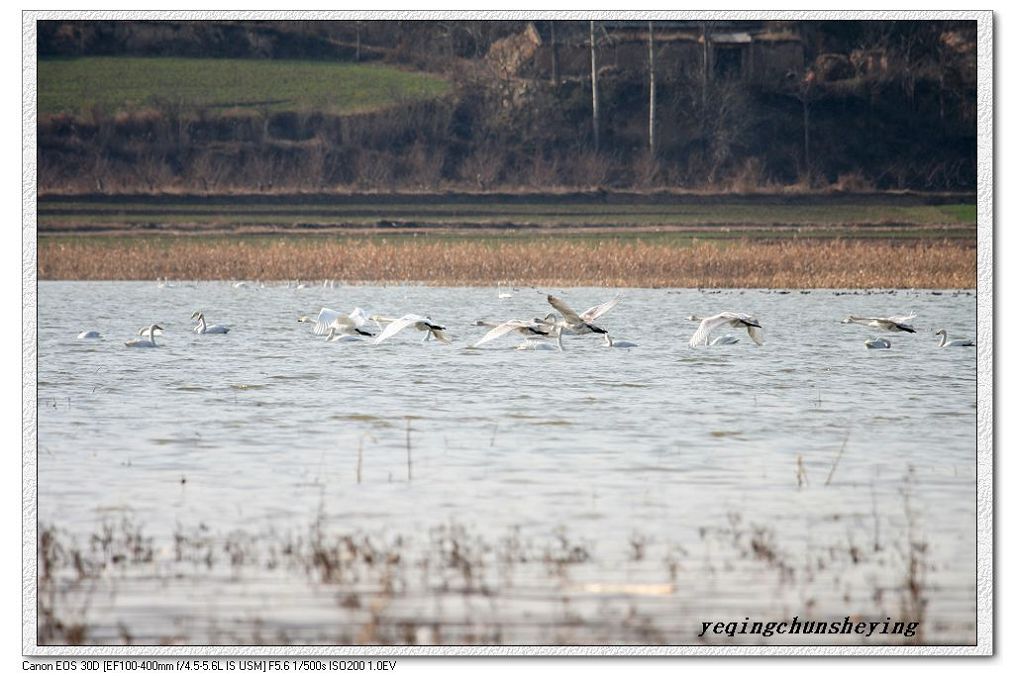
[
  {"x": 418, "y": 322},
  {"x": 877, "y": 343},
  {"x": 88, "y": 335},
  {"x": 145, "y": 342},
  {"x": 610, "y": 342},
  {"x": 954, "y": 342},
  {"x": 203, "y": 327},
  {"x": 896, "y": 323},
  {"x": 734, "y": 319}
]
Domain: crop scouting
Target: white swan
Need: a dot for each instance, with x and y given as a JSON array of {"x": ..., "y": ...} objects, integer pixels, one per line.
[
  {"x": 727, "y": 339},
  {"x": 145, "y": 342},
  {"x": 537, "y": 343},
  {"x": 202, "y": 326},
  {"x": 579, "y": 324},
  {"x": 610, "y": 342},
  {"x": 734, "y": 319},
  {"x": 954, "y": 342},
  {"x": 877, "y": 343},
  {"x": 529, "y": 329},
  {"x": 897, "y": 323},
  {"x": 350, "y": 323},
  {"x": 86, "y": 335},
  {"x": 335, "y": 337},
  {"x": 420, "y": 323}
]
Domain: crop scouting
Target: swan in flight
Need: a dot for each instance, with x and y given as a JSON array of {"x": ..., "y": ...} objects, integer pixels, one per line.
[
  {"x": 334, "y": 336},
  {"x": 85, "y": 335},
  {"x": 954, "y": 342},
  {"x": 579, "y": 324},
  {"x": 727, "y": 339},
  {"x": 420, "y": 323},
  {"x": 202, "y": 326},
  {"x": 349, "y": 324},
  {"x": 537, "y": 343},
  {"x": 898, "y": 323},
  {"x": 734, "y": 319},
  {"x": 610, "y": 342},
  {"x": 529, "y": 329},
  {"x": 145, "y": 342},
  {"x": 877, "y": 343}
]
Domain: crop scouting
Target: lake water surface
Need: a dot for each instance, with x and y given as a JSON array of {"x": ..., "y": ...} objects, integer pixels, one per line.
[{"x": 497, "y": 496}]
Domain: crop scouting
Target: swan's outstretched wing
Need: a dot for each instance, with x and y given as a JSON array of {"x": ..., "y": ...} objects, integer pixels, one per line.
[
  {"x": 901, "y": 319},
  {"x": 597, "y": 311},
  {"x": 440, "y": 335},
  {"x": 707, "y": 326},
  {"x": 397, "y": 325},
  {"x": 325, "y": 319},
  {"x": 560, "y": 306},
  {"x": 501, "y": 330},
  {"x": 359, "y": 317}
]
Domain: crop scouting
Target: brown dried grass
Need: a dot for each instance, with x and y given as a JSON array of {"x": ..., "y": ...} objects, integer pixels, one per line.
[{"x": 546, "y": 261}]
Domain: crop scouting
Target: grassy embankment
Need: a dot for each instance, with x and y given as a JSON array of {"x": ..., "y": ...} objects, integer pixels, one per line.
[{"x": 483, "y": 242}]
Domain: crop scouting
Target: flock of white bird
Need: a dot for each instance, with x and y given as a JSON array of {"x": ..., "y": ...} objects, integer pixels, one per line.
[{"x": 539, "y": 333}]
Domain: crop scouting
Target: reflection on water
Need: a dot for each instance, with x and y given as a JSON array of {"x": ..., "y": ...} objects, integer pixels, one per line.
[{"x": 269, "y": 486}]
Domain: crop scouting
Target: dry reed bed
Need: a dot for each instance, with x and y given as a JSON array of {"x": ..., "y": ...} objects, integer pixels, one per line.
[{"x": 551, "y": 261}]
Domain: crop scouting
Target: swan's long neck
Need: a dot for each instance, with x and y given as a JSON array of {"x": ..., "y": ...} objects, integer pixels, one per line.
[
  {"x": 151, "y": 333},
  {"x": 560, "y": 338},
  {"x": 200, "y": 320},
  {"x": 944, "y": 338},
  {"x": 609, "y": 339}
]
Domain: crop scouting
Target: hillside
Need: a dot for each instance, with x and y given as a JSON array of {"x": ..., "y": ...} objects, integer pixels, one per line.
[{"x": 339, "y": 107}]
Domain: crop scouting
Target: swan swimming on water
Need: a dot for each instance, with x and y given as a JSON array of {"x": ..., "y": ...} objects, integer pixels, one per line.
[
  {"x": 420, "y": 323},
  {"x": 145, "y": 342},
  {"x": 610, "y": 342},
  {"x": 954, "y": 342},
  {"x": 896, "y": 323},
  {"x": 734, "y": 319},
  {"x": 877, "y": 343},
  {"x": 202, "y": 326},
  {"x": 86, "y": 335}
]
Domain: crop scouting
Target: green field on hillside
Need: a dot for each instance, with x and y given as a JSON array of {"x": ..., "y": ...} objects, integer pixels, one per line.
[{"x": 125, "y": 83}]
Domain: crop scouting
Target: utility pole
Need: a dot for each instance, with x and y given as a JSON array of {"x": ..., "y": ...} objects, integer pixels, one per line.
[
  {"x": 554, "y": 62},
  {"x": 651, "y": 92},
  {"x": 595, "y": 85}
]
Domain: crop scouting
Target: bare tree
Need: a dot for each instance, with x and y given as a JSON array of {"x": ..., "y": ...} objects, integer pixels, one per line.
[{"x": 651, "y": 92}]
